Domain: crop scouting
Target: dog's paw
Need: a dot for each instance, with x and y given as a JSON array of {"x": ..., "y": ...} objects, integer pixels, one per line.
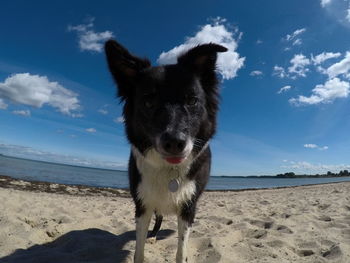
[{"x": 151, "y": 240}]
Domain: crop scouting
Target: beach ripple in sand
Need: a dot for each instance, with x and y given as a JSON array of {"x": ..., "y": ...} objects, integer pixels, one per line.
[{"x": 74, "y": 224}]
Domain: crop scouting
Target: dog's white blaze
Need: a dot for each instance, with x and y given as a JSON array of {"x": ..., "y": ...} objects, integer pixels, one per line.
[{"x": 156, "y": 174}]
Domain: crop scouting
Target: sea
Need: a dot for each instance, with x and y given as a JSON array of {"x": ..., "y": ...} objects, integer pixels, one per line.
[{"x": 31, "y": 170}]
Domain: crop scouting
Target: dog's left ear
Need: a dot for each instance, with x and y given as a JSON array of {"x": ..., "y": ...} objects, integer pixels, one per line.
[{"x": 202, "y": 58}]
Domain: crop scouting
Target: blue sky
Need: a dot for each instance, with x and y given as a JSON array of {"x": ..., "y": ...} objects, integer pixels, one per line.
[{"x": 285, "y": 80}]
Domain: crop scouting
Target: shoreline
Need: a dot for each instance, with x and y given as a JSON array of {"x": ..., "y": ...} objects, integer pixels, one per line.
[{"x": 78, "y": 189}]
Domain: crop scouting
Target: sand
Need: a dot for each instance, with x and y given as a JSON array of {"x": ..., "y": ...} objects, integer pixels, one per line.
[{"x": 42, "y": 222}]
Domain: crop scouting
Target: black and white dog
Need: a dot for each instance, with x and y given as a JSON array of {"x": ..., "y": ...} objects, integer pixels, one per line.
[{"x": 170, "y": 116}]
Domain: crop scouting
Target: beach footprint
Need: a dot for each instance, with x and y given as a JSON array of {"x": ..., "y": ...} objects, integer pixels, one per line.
[
  {"x": 284, "y": 229},
  {"x": 256, "y": 233},
  {"x": 334, "y": 252},
  {"x": 207, "y": 253},
  {"x": 265, "y": 224}
]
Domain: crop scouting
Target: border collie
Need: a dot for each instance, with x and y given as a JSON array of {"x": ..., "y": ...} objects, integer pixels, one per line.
[{"x": 170, "y": 116}]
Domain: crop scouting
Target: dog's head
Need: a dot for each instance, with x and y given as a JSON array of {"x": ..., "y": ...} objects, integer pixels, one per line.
[{"x": 170, "y": 108}]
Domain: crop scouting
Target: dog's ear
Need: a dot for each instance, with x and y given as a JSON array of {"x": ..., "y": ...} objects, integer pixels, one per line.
[
  {"x": 202, "y": 58},
  {"x": 124, "y": 67}
]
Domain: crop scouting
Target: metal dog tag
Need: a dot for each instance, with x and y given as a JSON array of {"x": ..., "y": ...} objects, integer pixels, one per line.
[{"x": 173, "y": 185}]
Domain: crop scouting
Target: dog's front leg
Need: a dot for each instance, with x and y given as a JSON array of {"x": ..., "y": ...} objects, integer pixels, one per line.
[
  {"x": 142, "y": 224},
  {"x": 184, "y": 228}
]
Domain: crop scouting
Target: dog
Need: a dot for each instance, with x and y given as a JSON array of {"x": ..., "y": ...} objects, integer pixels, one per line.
[{"x": 169, "y": 115}]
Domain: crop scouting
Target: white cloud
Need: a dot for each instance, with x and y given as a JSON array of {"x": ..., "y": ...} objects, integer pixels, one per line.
[
  {"x": 294, "y": 38},
  {"x": 310, "y": 145},
  {"x": 35, "y": 154},
  {"x": 25, "y": 113},
  {"x": 88, "y": 38},
  {"x": 228, "y": 63},
  {"x": 279, "y": 71},
  {"x": 284, "y": 89},
  {"x": 320, "y": 58},
  {"x": 294, "y": 35},
  {"x": 325, "y": 2},
  {"x": 348, "y": 15},
  {"x": 103, "y": 111},
  {"x": 119, "y": 119},
  {"x": 299, "y": 65},
  {"x": 297, "y": 42},
  {"x": 3, "y": 105},
  {"x": 36, "y": 91},
  {"x": 91, "y": 130},
  {"x": 324, "y": 93},
  {"x": 315, "y": 146},
  {"x": 342, "y": 67},
  {"x": 256, "y": 73},
  {"x": 259, "y": 41}
]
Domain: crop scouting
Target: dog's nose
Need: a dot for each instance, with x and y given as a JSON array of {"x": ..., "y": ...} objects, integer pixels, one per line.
[{"x": 173, "y": 144}]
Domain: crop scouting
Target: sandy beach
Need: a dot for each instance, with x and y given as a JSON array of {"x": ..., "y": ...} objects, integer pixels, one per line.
[{"x": 43, "y": 222}]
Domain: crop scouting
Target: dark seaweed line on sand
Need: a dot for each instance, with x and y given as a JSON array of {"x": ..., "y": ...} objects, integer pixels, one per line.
[{"x": 40, "y": 186}]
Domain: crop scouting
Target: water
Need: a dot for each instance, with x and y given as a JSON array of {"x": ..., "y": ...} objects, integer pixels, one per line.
[
  {"x": 60, "y": 173},
  {"x": 67, "y": 174}
]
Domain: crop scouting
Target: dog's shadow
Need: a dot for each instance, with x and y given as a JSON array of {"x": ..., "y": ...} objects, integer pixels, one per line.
[{"x": 89, "y": 245}]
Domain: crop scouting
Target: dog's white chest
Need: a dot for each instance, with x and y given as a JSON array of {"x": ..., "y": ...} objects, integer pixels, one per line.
[{"x": 156, "y": 178}]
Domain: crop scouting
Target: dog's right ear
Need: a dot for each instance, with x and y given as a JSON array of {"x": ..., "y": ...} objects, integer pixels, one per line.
[{"x": 124, "y": 67}]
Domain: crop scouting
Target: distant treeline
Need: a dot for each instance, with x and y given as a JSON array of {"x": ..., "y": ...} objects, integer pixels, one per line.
[
  {"x": 328, "y": 174},
  {"x": 293, "y": 175}
]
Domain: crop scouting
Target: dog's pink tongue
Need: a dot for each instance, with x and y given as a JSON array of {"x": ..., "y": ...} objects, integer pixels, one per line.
[{"x": 174, "y": 160}]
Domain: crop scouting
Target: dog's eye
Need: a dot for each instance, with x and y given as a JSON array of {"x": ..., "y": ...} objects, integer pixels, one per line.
[{"x": 191, "y": 101}]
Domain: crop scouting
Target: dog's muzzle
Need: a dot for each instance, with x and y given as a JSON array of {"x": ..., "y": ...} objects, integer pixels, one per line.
[{"x": 174, "y": 147}]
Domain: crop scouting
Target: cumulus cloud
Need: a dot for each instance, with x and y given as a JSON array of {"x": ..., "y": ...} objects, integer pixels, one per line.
[
  {"x": 25, "y": 113},
  {"x": 322, "y": 57},
  {"x": 340, "y": 68},
  {"x": 228, "y": 63},
  {"x": 298, "y": 68},
  {"x": 89, "y": 40},
  {"x": 279, "y": 72},
  {"x": 3, "y": 105},
  {"x": 91, "y": 130},
  {"x": 315, "y": 146},
  {"x": 256, "y": 73},
  {"x": 348, "y": 15},
  {"x": 284, "y": 89},
  {"x": 299, "y": 65},
  {"x": 36, "y": 91},
  {"x": 324, "y": 93}
]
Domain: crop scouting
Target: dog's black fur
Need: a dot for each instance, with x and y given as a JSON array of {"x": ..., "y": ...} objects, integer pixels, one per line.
[{"x": 165, "y": 107}]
